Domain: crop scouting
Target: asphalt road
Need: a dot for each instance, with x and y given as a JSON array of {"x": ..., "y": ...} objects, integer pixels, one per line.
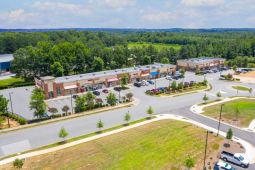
[{"x": 30, "y": 138}]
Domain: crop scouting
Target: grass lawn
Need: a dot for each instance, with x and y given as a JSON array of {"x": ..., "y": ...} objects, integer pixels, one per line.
[
  {"x": 10, "y": 81},
  {"x": 14, "y": 82},
  {"x": 241, "y": 88},
  {"x": 246, "y": 108},
  {"x": 159, "y": 145},
  {"x": 158, "y": 46}
]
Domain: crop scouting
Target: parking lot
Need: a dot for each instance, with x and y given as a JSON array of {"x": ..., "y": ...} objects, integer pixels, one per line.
[{"x": 21, "y": 96}]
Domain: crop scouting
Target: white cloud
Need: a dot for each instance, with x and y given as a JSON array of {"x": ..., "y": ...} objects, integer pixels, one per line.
[
  {"x": 62, "y": 7},
  {"x": 159, "y": 16},
  {"x": 118, "y": 4},
  {"x": 197, "y": 3},
  {"x": 18, "y": 15}
]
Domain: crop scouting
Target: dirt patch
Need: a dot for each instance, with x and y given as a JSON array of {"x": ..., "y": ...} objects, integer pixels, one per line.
[
  {"x": 5, "y": 124},
  {"x": 246, "y": 77}
]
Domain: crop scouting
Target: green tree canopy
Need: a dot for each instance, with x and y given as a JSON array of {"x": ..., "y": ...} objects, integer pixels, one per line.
[
  {"x": 37, "y": 102},
  {"x": 111, "y": 99},
  {"x": 80, "y": 104},
  {"x": 3, "y": 104},
  {"x": 57, "y": 69}
]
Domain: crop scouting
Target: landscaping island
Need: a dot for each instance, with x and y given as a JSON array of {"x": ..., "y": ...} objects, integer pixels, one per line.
[
  {"x": 162, "y": 144},
  {"x": 238, "y": 112},
  {"x": 178, "y": 89}
]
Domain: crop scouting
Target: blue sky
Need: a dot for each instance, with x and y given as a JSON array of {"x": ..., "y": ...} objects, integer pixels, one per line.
[{"x": 127, "y": 13}]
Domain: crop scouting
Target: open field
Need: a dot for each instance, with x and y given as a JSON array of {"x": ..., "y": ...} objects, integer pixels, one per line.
[
  {"x": 158, "y": 46},
  {"x": 14, "y": 82},
  {"x": 241, "y": 88},
  {"x": 246, "y": 113},
  {"x": 158, "y": 145}
]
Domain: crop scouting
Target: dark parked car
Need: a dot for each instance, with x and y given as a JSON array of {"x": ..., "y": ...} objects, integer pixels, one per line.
[
  {"x": 97, "y": 93},
  {"x": 138, "y": 84},
  {"x": 94, "y": 88},
  {"x": 105, "y": 91},
  {"x": 75, "y": 96},
  {"x": 150, "y": 81},
  {"x": 117, "y": 88}
]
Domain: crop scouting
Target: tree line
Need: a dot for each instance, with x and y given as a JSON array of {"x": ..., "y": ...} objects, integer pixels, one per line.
[{"x": 73, "y": 52}]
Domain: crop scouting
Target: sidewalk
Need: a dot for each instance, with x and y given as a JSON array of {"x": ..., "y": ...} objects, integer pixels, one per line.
[{"x": 250, "y": 150}]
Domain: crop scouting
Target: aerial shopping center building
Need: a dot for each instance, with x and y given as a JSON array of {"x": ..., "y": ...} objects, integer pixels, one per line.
[
  {"x": 61, "y": 86},
  {"x": 200, "y": 63}
]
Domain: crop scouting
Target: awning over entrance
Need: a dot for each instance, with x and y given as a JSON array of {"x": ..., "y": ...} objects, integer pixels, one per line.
[
  {"x": 70, "y": 87},
  {"x": 145, "y": 75},
  {"x": 154, "y": 73},
  {"x": 112, "y": 80}
]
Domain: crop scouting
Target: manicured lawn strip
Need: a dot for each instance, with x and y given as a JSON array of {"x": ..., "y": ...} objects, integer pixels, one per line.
[
  {"x": 14, "y": 82},
  {"x": 158, "y": 46},
  {"x": 241, "y": 88},
  {"x": 246, "y": 108},
  {"x": 79, "y": 137},
  {"x": 159, "y": 145}
]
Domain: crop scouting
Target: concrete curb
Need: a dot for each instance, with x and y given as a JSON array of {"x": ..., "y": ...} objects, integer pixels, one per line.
[
  {"x": 199, "y": 109},
  {"x": 250, "y": 150},
  {"x": 134, "y": 102}
]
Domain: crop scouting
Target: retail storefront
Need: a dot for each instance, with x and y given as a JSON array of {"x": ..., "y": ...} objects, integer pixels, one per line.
[
  {"x": 71, "y": 89},
  {"x": 112, "y": 82},
  {"x": 154, "y": 74},
  {"x": 145, "y": 75}
]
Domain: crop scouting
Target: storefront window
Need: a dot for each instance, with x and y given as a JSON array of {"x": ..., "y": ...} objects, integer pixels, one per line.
[{"x": 58, "y": 91}]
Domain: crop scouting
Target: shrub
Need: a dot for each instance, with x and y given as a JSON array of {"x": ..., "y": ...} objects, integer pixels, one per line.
[
  {"x": 55, "y": 115},
  {"x": 15, "y": 117},
  {"x": 18, "y": 163}
]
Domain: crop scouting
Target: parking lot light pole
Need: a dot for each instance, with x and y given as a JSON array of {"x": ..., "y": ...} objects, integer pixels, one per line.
[
  {"x": 155, "y": 83},
  {"x": 206, "y": 141},
  {"x": 10, "y": 95},
  {"x": 71, "y": 101},
  {"x": 119, "y": 96},
  {"x": 221, "y": 107}
]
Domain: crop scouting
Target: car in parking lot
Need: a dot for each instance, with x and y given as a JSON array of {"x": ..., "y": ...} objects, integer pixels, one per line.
[
  {"x": 220, "y": 165},
  {"x": 144, "y": 83},
  {"x": 236, "y": 158},
  {"x": 75, "y": 96},
  {"x": 105, "y": 91},
  {"x": 169, "y": 78},
  {"x": 117, "y": 88},
  {"x": 150, "y": 81},
  {"x": 97, "y": 93},
  {"x": 137, "y": 84}
]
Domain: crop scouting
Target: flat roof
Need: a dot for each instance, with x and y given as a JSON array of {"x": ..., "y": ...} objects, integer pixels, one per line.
[
  {"x": 202, "y": 59},
  {"x": 107, "y": 73},
  {"x": 6, "y": 58}
]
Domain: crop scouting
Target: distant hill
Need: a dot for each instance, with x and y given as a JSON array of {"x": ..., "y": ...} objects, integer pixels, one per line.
[{"x": 134, "y": 30}]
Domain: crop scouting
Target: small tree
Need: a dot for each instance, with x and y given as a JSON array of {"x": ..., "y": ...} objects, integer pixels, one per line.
[
  {"x": 235, "y": 68},
  {"x": 3, "y": 104},
  {"x": 237, "y": 112},
  {"x": 182, "y": 71},
  {"x": 205, "y": 98},
  {"x": 229, "y": 134},
  {"x": 129, "y": 96},
  {"x": 63, "y": 134},
  {"x": 123, "y": 81},
  {"x": 90, "y": 100},
  {"x": 53, "y": 110},
  {"x": 189, "y": 162},
  {"x": 150, "y": 111},
  {"x": 127, "y": 117},
  {"x": 80, "y": 104},
  {"x": 218, "y": 94},
  {"x": 65, "y": 109},
  {"x": 100, "y": 125},
  {"x": 111, "y": 99},
  {"x": 174, "y": 86},
  {"x": 250, "y": 91},
  {"x": 37, "y": 102},
  {"x": 180, "y": 86},
  {"x": 18, "y": 163}
]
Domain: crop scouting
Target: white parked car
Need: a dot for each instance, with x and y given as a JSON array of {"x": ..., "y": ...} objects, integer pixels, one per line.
[
  {"x": 145, "y": 83},
  {"x": 236, "y": 158},
  {"x": 220, "y": 165},
  {"x": 169, "y": 78}
]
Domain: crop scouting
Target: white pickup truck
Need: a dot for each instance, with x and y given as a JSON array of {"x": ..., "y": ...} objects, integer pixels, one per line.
[{"x": 236, "y": 158}]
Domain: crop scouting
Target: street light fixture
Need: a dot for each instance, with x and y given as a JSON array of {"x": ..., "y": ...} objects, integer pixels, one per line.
[
  {"x": 71, "y": 101},
  {"x": 221, "y": 107}
]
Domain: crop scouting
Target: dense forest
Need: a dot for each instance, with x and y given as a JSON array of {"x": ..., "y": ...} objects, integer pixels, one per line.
[{"x": 72, "y": 52}]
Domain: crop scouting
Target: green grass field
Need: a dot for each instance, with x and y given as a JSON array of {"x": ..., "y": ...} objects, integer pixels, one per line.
[
  {"x": 241, "y": 88},
  {"x": 10, "y": 81},
  {"x": 246, "y": 108},
  {"x": 158, "y": 46},
  {"x": 14, "y": 82},
  {"x": 158, "y": 145}
]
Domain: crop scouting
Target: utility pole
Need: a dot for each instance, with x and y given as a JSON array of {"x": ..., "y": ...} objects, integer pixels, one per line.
[
  {"x": 206, "y": 141},
  {"x": 221, "y": 107},
  {"x": 119, "y": 96},
  {"x": 155, "y": 83}
]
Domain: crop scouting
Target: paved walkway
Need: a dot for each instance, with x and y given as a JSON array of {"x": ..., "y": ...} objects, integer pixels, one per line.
[{"x": 249, "y": 154}]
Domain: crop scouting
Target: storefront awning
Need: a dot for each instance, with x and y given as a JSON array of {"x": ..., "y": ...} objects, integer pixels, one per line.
[
  {"x": 70, "y": 87},
  {"x": 113, "y": 79},
  {"x": 154, "y": 73},
  {"x": 145, "y": 75}
]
